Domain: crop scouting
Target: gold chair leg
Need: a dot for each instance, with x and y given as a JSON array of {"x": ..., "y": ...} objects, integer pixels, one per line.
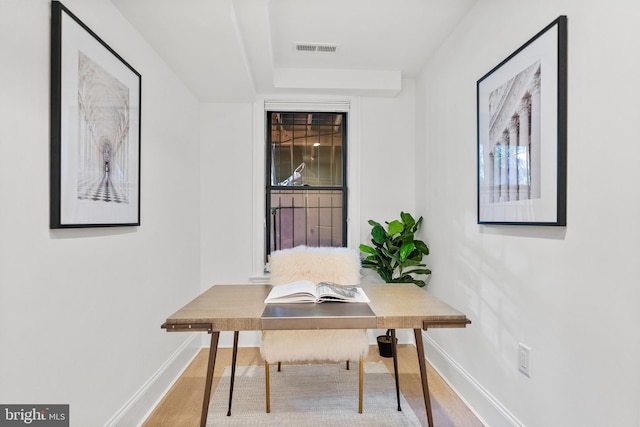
[
  {"x": 267, "y": 387},
  {"x": 360, "y": 385}
]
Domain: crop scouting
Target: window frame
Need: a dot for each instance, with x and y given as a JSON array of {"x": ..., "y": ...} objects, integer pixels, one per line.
[
  {"x": 350, "y": 104},
  {"x": 270, "y": 187}
]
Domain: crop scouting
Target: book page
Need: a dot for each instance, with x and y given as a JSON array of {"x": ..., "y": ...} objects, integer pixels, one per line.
[
  {"x": 300, "y": 291},
  {"x": 334, "y": 292}
]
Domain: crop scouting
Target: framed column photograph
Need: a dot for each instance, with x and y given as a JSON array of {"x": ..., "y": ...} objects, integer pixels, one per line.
[
  {"x": 95, "y": 129},
  {"x": 522, "y": 133}
]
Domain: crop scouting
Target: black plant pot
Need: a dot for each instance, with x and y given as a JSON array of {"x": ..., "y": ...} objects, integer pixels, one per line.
[{"x": 385, "y": 346}]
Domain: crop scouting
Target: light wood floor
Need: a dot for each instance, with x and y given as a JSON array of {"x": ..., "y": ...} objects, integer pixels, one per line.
[{"x": 182, "y": 404}]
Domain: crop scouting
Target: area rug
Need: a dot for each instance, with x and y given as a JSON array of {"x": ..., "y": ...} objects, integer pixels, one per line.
[{"x": 310, "y": 395}]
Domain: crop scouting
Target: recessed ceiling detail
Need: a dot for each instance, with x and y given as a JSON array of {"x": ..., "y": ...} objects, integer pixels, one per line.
[
  {"x": 293, "y": 47},
  {"x": 315, "y": 47}
]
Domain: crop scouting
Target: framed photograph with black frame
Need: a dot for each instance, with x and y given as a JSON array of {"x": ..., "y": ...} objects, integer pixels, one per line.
[
  {"x": 522, "y": 133},
  {"x": 95, "y": 129}
]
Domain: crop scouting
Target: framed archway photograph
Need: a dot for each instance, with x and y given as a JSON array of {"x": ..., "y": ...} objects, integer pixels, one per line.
[{"x": 95, "y": 129}]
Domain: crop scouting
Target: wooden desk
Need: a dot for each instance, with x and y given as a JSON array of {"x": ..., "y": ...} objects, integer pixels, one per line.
[{"x": 240, "y": 307}]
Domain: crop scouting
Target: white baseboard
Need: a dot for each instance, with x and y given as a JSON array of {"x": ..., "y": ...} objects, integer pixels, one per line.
[
  {"x": 484, "y": 405},
  {"x": 144, "y": 401}
]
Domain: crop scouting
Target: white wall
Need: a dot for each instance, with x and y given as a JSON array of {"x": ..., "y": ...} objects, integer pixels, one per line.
[
  {"x": 227, "y": 175},
  {"x": 387, "y": 166},
  {"x": 80, "y": 310},
  {"x": 572, "y": 293}
]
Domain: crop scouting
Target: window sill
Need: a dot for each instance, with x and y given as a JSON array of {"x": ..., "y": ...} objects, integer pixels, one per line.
[{"x": 259, "y": 279}]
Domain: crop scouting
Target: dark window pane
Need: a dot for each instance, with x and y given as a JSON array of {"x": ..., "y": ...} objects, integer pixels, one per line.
[{"x": 306, "y": 149}]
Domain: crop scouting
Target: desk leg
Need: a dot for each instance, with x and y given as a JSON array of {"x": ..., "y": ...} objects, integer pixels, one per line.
[
  {"x": 394, "y": 352},
  {"x": 423, "y": 375},
  {"x": 213, "y": 349},
  {"x": 233, "y": 368}
]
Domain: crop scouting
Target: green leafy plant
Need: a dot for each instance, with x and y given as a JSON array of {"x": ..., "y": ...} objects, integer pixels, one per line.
[{"x": 396, "y": 254}]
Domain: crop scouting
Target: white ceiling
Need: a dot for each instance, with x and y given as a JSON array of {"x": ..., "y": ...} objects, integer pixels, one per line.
[{"x": 232, "y": 50}]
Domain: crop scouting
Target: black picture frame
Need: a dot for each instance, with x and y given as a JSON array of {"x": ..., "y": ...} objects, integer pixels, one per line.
[
  {"x": 522, "y": 134},
  {"x": 95, "y": 129}
]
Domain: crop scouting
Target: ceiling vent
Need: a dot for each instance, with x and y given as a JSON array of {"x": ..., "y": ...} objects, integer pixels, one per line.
[{"x": 315, "y": 47}]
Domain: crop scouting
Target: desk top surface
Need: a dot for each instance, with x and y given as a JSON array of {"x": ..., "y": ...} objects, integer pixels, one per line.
[{"x": 240, "y": 307}]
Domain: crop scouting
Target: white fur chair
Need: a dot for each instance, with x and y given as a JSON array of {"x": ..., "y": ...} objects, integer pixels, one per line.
[{"x": 338, "y": 265}]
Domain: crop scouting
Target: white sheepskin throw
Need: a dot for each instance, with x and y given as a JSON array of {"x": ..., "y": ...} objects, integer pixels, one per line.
[
  {"x": 329, "y": 345},
  {"x": 337, "y": 265}
]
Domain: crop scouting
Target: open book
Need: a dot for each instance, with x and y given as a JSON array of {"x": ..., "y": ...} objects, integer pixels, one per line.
[{"x": 306, "y": 291}]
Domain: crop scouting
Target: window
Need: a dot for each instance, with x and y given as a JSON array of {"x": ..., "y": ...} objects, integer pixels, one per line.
[{"x": 306, "y": 191}]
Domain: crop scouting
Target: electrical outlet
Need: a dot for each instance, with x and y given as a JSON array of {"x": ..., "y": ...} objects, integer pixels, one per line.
[{"x": 524, "y": 359}]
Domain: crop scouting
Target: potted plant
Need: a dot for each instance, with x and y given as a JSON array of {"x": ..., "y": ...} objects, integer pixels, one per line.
[{"x": 396, "y": 255}]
